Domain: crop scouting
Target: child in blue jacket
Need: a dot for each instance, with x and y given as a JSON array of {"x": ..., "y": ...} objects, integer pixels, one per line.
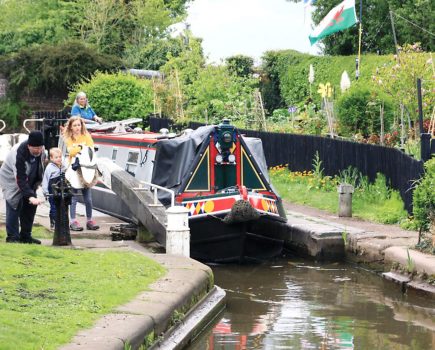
[{"x": 52, "y": 171}]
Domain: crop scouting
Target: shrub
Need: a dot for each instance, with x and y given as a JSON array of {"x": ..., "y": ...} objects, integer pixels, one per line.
[
  {"x": 53, "y": 68},
  {"x": 424, "y": 197},
  {"x": 117, "y": 96},
  {"x": 12, "y": 112},
  {"x": 359, "y": 112},
  {"x": 240, "y": 65}
]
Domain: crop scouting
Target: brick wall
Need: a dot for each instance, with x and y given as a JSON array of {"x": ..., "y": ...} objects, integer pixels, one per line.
[{"x": 40, "y": 102}]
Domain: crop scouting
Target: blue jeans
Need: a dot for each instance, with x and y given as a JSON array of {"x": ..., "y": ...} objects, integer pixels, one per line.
[
  {"x": 87, "y": 198},
  {"x": 52, "y": 204},
  {"x": 24, "y": 216}
]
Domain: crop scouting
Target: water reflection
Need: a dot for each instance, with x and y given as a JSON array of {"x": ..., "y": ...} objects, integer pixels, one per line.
[{"x": 303, "y": 305}]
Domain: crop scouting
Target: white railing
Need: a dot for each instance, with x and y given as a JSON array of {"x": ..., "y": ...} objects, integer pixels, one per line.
[
  {"x": 4, "y": 125},
  {"x": 29, "y": 121},
  {"x": 155, "y": 188}
]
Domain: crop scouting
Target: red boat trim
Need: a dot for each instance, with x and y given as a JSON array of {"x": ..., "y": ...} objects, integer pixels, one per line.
[{"x": 133, "y": 143}]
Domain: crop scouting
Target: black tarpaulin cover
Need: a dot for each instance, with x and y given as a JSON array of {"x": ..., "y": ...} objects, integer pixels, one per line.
[{"x": 175, "y": 159}]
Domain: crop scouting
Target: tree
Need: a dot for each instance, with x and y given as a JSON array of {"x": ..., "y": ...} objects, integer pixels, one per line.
[
  {"x": 377, "y": 32},
  {"x": 240, "y": 65},
  {"x": 28, "y": 22},
  {"x": 399, "y": 80},
  {"x": 112, "y": 26},
  {"x": 53, "y": 68}
]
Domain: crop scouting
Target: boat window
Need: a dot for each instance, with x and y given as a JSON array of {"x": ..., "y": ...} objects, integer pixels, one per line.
[
  {"x": 132, "y": 157},
  {"x": 114, "y": 154},
  {"x": 131, "y": 164}
]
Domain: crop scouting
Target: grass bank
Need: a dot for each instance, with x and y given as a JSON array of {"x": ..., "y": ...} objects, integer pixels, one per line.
[
  {"x": 370, "y": 201},
  {"x": 47, "y": 294}
]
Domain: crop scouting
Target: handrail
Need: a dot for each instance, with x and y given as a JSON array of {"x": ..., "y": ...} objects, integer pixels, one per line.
[
  {"x": 4, "y": 125},
  {"x": 154, "y": 188},
  {"x": 31, "y": 120}
]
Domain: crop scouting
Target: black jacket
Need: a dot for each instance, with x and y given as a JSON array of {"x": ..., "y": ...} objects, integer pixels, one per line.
[{"x": 21, "y": 174}]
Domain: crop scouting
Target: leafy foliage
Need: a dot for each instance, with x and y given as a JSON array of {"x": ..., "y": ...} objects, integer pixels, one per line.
[
  {"x": 154, "y": 54},
  {"x": 288, "y": 72},
  {"x": 359, "y": 111},
  {"x": 53, "y": 67},
  {"x": 112, "y": 26},
  {"x": 11, "y": 112},
  {"x": 29, "y": 22},
  {"x": 398, "y": 78},
  {"x": 424, "y": 197},
  {"x": 377, "y": 34},
  {"x": 117, "y": 96},
  {"x": 371, "y": 201},
  {"x": 240, "y": 65}
]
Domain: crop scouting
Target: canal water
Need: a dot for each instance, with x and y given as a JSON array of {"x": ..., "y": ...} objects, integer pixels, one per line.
[{"x": 298, "y": 304}]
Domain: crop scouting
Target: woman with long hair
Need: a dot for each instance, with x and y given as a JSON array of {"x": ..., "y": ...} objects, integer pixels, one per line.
[{"x": 75, "y": 136}]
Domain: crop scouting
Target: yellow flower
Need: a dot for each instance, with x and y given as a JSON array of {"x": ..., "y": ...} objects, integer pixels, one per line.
[{"x": 325, "y": 90}]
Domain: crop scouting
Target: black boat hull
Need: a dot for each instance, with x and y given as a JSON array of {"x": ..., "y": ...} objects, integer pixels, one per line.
[{"x": 213, "y": 241}]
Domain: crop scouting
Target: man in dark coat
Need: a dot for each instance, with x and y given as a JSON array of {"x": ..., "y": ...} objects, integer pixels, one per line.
[{"x": 20, "y": 176}]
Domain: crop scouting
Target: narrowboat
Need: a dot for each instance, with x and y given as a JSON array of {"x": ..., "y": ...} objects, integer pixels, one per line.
[{"x": 218, "y": 174}]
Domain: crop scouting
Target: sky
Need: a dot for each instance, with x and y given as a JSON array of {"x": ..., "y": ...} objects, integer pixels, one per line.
[{"x": 249, "y": 27}]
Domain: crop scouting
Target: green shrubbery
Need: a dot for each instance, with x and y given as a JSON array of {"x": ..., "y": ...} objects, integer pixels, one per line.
[
  {"x": 117, "y": 96},
  {"x": 11, "y": 112},
  {"x": 359, "y": 111},
  {"x": 289, "y": 70},
  {"x": 424, "y": 197},
  {"x": 53, "y": 68},
  {"x": 371, "y": 201}
]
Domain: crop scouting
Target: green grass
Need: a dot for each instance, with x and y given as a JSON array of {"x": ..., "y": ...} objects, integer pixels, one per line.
[
  {"x": 298, "y": 193},
  {"x": 47, "y": 294},
  {"x": 373, "y": 202},
  {"x": 37, "y": 232}
]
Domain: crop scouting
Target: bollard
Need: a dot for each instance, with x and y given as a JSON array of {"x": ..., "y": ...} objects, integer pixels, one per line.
[
  {"x": 62, "y": 195},
  {"x": 177, "y": 231},
  {"x": 345, "y": 200}
]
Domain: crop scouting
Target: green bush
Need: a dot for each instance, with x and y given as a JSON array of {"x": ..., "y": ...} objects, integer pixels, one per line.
[
  {"x": 359, "y": 112},
  {"x": 117, "y": 96},
  {"x": 53, "y": 68},
  {"x": 287, "y": 74},
  {"x": 240, "y": 65},
  {"x": 12, "y": 112},
  {"x": 424, "y": 197}
]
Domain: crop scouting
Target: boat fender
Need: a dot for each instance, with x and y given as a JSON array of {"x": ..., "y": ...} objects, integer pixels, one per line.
[{"x": 241, "y": 211}]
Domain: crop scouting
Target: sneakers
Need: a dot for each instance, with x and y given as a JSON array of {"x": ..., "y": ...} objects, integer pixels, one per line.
[
  {"x": 52, "y": 223},
  {"x": 75, "y": 226},
  {"x": 30, "y": 240},
  {"x": 91, "y": 225}
]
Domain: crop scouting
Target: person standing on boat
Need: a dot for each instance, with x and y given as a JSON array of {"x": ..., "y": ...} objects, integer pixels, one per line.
[
  {"x": 75, "y": 136},
  {"x": 20, "y": 176},
  {"x": 82, "y": 108}
]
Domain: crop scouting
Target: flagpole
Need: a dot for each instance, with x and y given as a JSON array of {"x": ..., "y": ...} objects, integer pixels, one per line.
[{"x": 359, "y": 40}]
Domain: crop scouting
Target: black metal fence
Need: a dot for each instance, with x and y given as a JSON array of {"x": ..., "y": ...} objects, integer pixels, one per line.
[
  {"x": 50, "y": 125},
  {"x": 298, "y": 151}
]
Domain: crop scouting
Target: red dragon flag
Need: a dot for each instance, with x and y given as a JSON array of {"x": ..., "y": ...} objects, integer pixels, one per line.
[{"x": 340, "y": 17}]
